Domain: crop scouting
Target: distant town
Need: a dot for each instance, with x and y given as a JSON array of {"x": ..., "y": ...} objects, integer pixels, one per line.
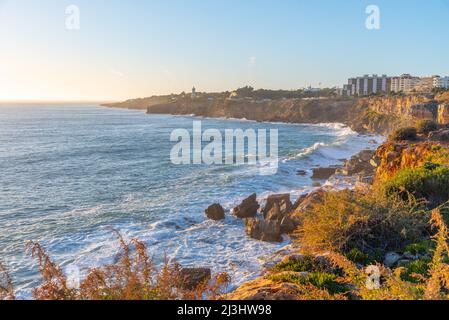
[
  {"x": 356, "y": 87},
  {"x": 406, "y": 83}
]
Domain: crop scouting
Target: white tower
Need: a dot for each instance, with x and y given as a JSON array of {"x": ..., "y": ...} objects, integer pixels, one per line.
[{"x": 193, "y": 93}]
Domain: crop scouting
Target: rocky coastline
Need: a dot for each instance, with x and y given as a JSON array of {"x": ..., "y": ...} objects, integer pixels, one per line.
[{"x": 279, "y": 216}]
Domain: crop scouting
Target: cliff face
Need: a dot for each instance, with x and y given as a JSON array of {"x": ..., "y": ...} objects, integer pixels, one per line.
[
  {"x": 414, "y": 107},
  {"x": 141, "y": 103},
  {"x": 443, "y": 113},
  {"x": 290, "y": 111},
  {"x": 378, "y": 115}
]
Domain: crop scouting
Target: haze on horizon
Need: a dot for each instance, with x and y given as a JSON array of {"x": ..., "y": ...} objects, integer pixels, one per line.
[{"x": 142, "y": 48}]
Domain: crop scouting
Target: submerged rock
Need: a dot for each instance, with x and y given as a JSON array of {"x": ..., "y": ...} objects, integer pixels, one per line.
[
  {"x": 215, "y": 212},
  {"x": 248, "y": 208}
]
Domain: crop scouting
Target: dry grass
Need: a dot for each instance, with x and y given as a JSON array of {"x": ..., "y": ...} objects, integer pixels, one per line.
[
  {"x": 6, "y": 285},
  {"x": 434, "y": 286},
  {"x": 372, "y": 223},
  {"x": 132, "y": 277}
]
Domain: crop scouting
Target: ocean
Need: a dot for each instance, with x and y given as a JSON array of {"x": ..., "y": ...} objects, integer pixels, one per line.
[{"x": 68, "y": 173}]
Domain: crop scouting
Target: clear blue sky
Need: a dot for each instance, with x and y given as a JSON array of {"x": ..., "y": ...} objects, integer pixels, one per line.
[{"x": 135, "y": 48}]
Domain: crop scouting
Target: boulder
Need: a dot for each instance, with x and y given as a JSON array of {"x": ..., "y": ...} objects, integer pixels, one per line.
[
  {"x": 323, "y": 173},
  {"x": 392, "y": 259},
  {"x": 215, "y": 212},
  {"x": 248, "y": 208},
  {"x": 263, "y": 230},
  {"x": 191, "y": 278}
]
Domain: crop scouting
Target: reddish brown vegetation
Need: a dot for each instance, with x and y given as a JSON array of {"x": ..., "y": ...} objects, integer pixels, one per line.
[{"x": 132, "y": 277}]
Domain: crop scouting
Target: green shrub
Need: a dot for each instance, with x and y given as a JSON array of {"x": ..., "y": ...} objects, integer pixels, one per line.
[
  {"x": 307, "y": 263},
  {"x": 414, "y": 269},
  {"x": 428, "y": 182},
  {"x": 357, "y": 256},
  {"x": 320, "y": 280},
  {"x": 407, "y": 133},
  {"x": 326, "y": 281},
  {"x": 421, "y": 248},
  {"x": 426, "y": 126}
]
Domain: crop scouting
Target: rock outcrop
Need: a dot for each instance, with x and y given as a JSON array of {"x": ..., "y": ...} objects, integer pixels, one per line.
[
  {"x": 215, "y": 212},
  {"x": 394, "y": 156},
  {"x": 248, "y": 208},
  {"x": 307, "y": 202},
  {"x": 360, "y": 166},
  {"x": 283, "y": 200},
  {"x": 277, "y": 220}
]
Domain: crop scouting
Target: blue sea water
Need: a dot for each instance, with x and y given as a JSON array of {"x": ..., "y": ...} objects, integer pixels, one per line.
[{"x": 70, "y": 172}]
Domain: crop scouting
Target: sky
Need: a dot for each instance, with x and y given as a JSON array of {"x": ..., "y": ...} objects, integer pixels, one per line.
[{"x": 138, "y": 48}]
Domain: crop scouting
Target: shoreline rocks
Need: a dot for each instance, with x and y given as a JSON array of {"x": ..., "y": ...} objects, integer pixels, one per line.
[
  {"x": 263, "y": 230},
  {"x": 282, "y": 200},
  {"x": 248, "y": 208}
]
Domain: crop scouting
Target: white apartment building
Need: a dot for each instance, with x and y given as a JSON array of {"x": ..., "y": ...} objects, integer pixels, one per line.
[
  {"x": 441, "y": 82},
  {"x": 366, "y": 85},
  {"x": 404, "y": 83}
]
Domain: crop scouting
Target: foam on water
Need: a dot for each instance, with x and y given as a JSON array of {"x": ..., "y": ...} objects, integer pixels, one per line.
[{"x": 69, "y": 173}]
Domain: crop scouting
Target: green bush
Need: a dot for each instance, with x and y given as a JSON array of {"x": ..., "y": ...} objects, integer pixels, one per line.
[
  {"x": 320, "y": 280},
  {"x": 306, "y": 264},
  {"x": 357, "y": 256},
  {"x": 428, "y": 182},
  {"x": 414, "y": 269},
  {"x": 407, "y": 133},
  {"x": 426, "y": 126},
  {"x": 327, "y": 281},
  {"x": 421, "y": 248}
]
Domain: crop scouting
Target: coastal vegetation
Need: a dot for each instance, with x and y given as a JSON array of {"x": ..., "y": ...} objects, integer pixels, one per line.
[
  {"x": 385, "y": 242},
  {"x": 133, "y": 276}
]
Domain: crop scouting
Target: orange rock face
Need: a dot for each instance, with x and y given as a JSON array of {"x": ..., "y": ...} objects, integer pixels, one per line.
[
  {"x": 414, "y": 106},
  {"x": 443, "y": 113},
  {"x": 392, "y": 157}
]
